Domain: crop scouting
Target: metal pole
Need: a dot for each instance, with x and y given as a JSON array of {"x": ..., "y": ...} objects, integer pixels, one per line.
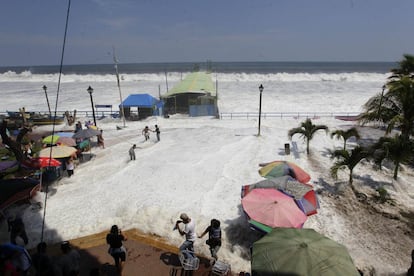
[
  {"x": 260, "y": 107},
  {"x": 119, "y": 86},
  {"x": 90, "y": 90},
  {"x": 47, "y": 99}
]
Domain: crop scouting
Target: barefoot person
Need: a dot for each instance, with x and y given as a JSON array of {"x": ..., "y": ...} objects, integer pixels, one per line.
[{"x": 116, "y": 249}]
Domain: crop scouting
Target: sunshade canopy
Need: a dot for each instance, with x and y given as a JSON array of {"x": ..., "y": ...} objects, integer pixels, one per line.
[
  {"x": 196, "y": 82},
  {"x": 57, "y": 152},
  {"x": 281, "y": 168},
  {"x": 286, "y": 183},
  {"x": 290, "y": 251},
  {"x": 140, "y": 100},
  {"x": 273, "y": 208},
  {"x": 86, "y": 133}
]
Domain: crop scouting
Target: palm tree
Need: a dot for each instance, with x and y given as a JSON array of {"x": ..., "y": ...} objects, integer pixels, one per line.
[
  {"x": 406, "y": 66},
  {"x": 398, "y": 149},
  {"x": 346, "y": 159},
  {"x": 346, "y": 134},
  {"x": 307, "y": 130},
  {"x": 394, "y": 108}
]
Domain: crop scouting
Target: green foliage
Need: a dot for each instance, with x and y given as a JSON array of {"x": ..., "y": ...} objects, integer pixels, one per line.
[
  {"x": 345, "y": 134},
  {"x": 383, "y": 195},
  {"x": 398, "y": 149},
  {"x": 348, "y": 160},
  {"x": 306, "y": 130}
]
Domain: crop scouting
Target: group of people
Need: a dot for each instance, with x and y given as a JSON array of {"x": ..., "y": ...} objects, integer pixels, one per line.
[
  {"x": 146, "y": 132},
  {"x": 16, "y": 260},
  {"x": 214, "y": 236}
]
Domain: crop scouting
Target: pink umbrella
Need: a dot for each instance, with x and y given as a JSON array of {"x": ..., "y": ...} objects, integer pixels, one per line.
[{"x": 273, "y": 208}]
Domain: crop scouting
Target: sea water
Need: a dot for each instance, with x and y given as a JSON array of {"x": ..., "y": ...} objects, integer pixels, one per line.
[{"x": 288, "y": 86}]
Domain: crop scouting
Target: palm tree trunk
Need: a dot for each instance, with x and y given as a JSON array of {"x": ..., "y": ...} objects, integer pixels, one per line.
[
  {"x": 397, "y": 166},
  {"x": 307, "y": 146},
  {"x": 351, "y": 182}
]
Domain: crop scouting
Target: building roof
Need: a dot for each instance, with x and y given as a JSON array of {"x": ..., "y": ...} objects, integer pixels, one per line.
[
  {"x": 140, "y": 100},
  {"x": 196, "y": 83}
]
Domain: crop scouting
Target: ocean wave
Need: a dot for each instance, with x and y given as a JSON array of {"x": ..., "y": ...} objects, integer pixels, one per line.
[{"x": 27, "y": 76}]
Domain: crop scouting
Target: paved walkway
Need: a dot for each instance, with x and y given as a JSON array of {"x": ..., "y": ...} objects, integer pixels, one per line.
[{"x": 147, "y": 255}]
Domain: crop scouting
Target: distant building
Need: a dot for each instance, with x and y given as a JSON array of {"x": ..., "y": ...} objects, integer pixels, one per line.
[
  {"x": 195, "y": 95},
  {"x": 141, "y": 106}
]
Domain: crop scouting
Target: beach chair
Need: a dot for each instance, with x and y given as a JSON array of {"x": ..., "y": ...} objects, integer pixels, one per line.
[
  {"x": 220, "y": 269},
  {"x": 188, "y": 260}
]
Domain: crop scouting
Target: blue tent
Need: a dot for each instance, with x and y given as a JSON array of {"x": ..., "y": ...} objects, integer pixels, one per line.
[{"x": 145, "y": 104}]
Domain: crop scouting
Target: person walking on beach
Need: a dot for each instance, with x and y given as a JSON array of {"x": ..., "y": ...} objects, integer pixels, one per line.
[
  {"x": 188, "y": 231},
  {"x": 101, "y": 140},
  {"x": 116, "y": 249},
  {"x": 158, "y": 132},
  {"x": 214, "y": 237},
  {"x": 146, "y": 133},
  {"x": 17, "y": 229},
  {"x": 132, "y": 152}
]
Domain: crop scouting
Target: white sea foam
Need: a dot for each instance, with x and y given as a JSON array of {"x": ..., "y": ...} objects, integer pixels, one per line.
[{"x": 201, "y": 163}]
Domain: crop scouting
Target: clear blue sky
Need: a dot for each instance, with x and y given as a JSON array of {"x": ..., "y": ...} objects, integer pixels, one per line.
[{"x": 31, "y": 31}]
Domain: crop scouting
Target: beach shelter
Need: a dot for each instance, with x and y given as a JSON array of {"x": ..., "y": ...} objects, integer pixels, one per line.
[
  {"x": 290, "y": 251},
  {"x": 57, "y": 152},
  {"x": 285, "y": 183},
  {"x": 86, "y": 133},
  {"x": 195, "y": 95},
  {"x": 41, "y": 162},
  {"x": 58, "y": 139},
  {"x": 281, "y": 168},
  {"x": 273, "y": 208},
  {"x": 141, "y": 106}
]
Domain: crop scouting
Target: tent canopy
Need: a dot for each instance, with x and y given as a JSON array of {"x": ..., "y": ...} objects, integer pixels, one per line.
[
  {"x": 140, "y": 100},
  {"x": 195, "y": 83}
]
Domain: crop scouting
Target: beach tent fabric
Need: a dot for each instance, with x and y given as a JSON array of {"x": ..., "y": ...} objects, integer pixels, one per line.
[
  {"x": 196, "y": 82},
  {"x": 140, "y": 100}
]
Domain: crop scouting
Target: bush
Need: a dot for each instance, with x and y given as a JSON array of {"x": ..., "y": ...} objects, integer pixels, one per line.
[{"x": 383, "y": 195}]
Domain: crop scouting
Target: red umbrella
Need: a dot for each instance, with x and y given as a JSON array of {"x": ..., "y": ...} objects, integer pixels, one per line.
[
  {"x": 309, "y": 203},
  {"x": 281, "y": 168},
  {"x": 41, "y": 162},
  {"x": 273, "y": 208}
]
